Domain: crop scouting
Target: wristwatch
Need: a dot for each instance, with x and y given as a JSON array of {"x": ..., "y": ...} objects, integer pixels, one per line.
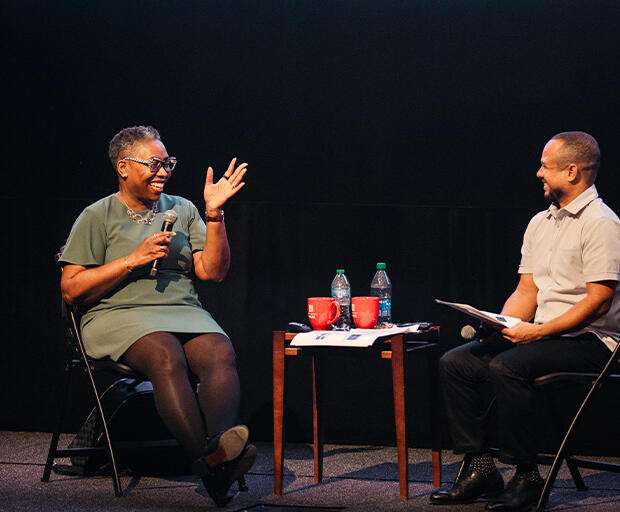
[{"x": 217, "y": 218}]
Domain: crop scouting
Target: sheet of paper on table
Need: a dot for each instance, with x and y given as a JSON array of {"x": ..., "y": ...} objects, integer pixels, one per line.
[
  {"x": 493, "y": 319},
  {"x": 351, "y": 338}
]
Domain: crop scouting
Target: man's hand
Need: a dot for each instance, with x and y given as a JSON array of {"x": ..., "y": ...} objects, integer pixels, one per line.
[
  {"x": 592, "y": 306},
  {"x": 523, "y": 332}
]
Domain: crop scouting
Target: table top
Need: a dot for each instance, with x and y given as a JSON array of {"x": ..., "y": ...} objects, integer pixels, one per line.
[{"x": 412, "y": 343}]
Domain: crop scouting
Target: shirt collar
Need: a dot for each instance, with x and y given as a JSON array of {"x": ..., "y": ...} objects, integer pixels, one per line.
[{"x": 577, "y": 204}]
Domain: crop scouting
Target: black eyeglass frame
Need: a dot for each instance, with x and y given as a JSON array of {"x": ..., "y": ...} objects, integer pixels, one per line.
[{"x": 154, "y": 163}]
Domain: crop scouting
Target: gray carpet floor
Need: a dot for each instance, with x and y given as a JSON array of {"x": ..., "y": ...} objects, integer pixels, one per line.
[{"x": 356, "y": 478}]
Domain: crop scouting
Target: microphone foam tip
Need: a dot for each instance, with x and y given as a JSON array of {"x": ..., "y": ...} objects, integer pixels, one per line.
[
  {"x": 170, "y": 216},
  {"x": 468, "y": 332}
]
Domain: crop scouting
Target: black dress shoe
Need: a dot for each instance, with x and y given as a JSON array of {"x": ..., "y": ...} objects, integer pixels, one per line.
[
  {"x": 223, "y": 447},
  {"x": 472, "y": 486},
  {"x": 519, "y": 494},
  {"x": 218, "y": 482}
]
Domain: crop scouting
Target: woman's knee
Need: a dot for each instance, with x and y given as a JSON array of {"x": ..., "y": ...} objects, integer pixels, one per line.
[
  {"x": 211, "y": 350},
  {"x": 157, "y": 354}
]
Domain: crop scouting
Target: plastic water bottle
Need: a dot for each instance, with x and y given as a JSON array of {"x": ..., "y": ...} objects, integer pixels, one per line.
[
  {"x": 381, "y": 287},
  {"x": 341, "y": 291}
]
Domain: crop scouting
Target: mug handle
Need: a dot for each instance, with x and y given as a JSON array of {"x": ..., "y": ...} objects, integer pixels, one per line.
[{"x": 337, "y": 313}]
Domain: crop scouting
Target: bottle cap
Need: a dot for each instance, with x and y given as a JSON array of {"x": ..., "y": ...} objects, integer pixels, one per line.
[
  {"x": 380, "y": 266},
  {"x": 340, "y": 271}
]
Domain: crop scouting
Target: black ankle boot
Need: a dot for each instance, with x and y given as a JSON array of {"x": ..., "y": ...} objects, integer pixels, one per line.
[
  {"x": 223, "y": 447},
  {"x": 218, "y": 482}
]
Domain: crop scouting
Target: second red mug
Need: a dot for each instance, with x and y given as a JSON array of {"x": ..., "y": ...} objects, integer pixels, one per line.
[{"x": 365, "y": 311}]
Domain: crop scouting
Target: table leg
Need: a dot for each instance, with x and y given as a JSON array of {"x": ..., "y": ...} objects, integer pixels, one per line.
[
  {"x": 435, "y": 400},
  {"x": 317, "y": 418},
  {"x": 436, "y": 458},
  {"x": 278, "y": 410},
  {"x": 398, "y": 384}
]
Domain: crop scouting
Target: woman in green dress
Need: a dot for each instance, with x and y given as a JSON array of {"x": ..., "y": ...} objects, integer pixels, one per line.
[{"x": 156, "y": 324}]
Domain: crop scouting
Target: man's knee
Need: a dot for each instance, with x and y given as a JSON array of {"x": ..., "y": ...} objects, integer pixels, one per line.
[
  {"x": 453, "y": 360},
  {"x": 501, "y": 369},
  {"x": 447, "y": 361}
]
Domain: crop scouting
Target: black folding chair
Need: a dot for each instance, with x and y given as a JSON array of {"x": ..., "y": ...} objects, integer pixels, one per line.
[
  {"x": 78, "y": 359},
  {"x": 595, "y": 382},
  {"x": 559, "y": 379}
]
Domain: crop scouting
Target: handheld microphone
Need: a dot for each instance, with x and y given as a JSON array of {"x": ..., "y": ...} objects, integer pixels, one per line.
[
  {"x": 470, "y": 333},
  {"x": 170, "y": 217}
]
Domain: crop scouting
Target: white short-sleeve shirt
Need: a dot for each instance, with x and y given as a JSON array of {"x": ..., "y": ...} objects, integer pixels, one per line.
[{"x": 565, "y": 248}]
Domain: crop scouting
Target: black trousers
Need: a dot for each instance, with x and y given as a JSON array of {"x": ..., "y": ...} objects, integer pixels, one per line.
[{"x": 474, "y": 373}]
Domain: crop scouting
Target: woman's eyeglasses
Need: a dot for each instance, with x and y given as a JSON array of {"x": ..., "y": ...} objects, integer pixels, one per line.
[{"x": 154, "y": 164}]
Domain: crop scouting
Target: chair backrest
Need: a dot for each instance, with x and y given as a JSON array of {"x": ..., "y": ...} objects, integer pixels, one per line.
[
  {"x": 71, "y": 317},
  {"x": 104, "y": 364}
]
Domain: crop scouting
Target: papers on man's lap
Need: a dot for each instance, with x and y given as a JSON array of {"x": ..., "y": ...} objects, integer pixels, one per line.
[{"x": 492, "y": 319}]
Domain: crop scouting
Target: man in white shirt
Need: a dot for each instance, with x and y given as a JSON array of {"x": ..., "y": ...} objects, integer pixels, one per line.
[{"x": 569, "y": 302}]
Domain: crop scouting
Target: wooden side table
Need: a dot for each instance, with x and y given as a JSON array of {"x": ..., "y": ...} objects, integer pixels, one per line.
[{"x": 396, "y": 349}]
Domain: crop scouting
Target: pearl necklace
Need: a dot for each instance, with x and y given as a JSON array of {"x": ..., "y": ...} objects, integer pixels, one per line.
[{"x": 137, "y": 217}]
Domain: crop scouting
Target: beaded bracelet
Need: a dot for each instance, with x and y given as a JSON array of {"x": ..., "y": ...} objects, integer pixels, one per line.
[{"x": 129, "y": 269}]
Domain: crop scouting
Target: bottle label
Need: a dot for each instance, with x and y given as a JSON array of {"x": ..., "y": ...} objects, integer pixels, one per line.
[
  {"x": 385, "y": 307},
  {"x": 341, "y": 293}
]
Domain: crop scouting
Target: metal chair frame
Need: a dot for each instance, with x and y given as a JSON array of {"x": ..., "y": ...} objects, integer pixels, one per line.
[
  {"x": 80, "y": 360},
  {"x": 88, "y": 364},
  {"x": 595, "y": 381}
]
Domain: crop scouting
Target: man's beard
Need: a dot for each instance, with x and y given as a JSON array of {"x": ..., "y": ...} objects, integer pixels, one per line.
[{"x": 553, "y": 196}]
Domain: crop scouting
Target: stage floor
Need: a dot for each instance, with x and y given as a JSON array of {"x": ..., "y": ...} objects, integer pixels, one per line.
[{"x": 356, "y": 478}]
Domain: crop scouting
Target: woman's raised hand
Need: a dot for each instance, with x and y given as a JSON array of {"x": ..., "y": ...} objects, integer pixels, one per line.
[
  {"x": 151, "y": 248},
  {"x": 216, "y": 194}
]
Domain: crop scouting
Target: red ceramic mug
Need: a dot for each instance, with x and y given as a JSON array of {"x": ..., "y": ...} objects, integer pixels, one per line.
[
  {"x": 322, "y": 312},
  {"x": 365, "y": 311}
]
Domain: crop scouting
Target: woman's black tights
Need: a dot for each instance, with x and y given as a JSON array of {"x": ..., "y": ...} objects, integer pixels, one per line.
[{"x": 165, "y": 361}]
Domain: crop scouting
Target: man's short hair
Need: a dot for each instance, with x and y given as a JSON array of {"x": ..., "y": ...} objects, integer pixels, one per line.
[
  {"x": 122, "y": 142},
  {"x": 579, "y": 148}
]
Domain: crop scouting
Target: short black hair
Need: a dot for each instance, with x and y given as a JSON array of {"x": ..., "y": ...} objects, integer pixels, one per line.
[
  {"x": 579, "y": 148},
  {"x": 122, "y": 142}
]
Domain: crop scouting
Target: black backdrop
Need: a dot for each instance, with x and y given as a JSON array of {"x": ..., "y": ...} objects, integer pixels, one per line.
[{"x": 405, "y": 132}]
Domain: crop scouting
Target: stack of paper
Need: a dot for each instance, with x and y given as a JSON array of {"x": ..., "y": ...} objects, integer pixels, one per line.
[
  {"x": 492, "y": 319},
  {"x": 352, "y": 338}
]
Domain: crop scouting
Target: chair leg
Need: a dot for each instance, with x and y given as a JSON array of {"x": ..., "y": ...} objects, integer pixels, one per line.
[
  {"x": 116, "y": 481},
  {"x": 51, "y": 454},
  {"x": 560, "y": 455},
  {"x": 243, "y": 487},
  {"x": 575, "y": 473},
  {"x": 561, "y": 427}
]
